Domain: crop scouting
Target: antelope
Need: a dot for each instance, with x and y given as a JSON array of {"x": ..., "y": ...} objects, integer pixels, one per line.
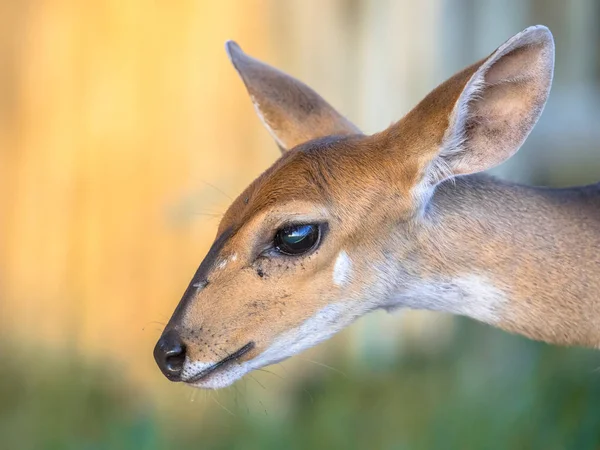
[{"x": 345, "y": 223}]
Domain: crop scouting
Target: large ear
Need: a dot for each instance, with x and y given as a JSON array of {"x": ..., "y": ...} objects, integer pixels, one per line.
[
  {"x": 292, "y": 112},
  {"x": 481, "y": 116}
]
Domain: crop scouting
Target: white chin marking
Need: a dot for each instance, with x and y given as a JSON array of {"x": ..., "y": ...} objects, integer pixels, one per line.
[
  {"x": 222, "y": 378},
  {"x": 219, "y": 379},
  {"x": 342, "y": 269}
]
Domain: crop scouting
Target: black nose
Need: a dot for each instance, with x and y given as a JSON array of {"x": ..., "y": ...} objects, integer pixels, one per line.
[{"x": 169, "y": 354}]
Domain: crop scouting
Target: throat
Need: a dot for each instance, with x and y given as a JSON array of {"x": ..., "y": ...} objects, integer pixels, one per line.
[
  {"x": 471, "y": 295},
  {"x": 521, "y": 258}
]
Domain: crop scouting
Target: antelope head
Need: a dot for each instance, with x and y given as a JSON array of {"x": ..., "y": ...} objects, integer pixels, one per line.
[{"x": 338, "y": 225}]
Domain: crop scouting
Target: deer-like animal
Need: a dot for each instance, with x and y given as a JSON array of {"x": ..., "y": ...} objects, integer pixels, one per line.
[{"x": 343, "y": 224}]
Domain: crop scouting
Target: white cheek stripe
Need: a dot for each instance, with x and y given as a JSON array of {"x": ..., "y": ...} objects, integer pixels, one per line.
[{"x": 342, "y": 269}]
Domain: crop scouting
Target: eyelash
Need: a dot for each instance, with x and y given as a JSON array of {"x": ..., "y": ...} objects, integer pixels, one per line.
[{"x": 269, "y": 249}]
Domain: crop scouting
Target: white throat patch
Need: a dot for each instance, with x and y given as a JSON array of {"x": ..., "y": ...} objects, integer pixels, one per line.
[{"x": 469, "y": 295}]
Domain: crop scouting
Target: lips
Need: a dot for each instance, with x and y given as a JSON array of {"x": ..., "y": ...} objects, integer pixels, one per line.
[{"x": 228, "y": 359}]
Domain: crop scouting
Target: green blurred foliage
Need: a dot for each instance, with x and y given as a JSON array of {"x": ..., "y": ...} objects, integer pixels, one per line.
[{"x": 488, "y": 390}]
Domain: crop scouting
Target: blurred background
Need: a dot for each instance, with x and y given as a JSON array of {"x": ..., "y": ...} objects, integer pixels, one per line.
[{"x": 124, "y": 135}]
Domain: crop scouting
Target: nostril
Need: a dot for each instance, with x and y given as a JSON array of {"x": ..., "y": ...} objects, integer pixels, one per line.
[
  {"x": 175, "y": 357},
  {"x": 169, "y": 354}
]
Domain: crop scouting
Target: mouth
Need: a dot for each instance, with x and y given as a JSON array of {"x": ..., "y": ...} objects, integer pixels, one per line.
[{"x": 205, "y": 373}]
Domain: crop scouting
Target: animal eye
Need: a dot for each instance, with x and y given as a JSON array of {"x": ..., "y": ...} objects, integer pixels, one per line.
[{"x": 297, "y": 239}]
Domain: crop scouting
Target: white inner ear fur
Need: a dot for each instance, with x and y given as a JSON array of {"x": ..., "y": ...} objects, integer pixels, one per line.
[
  {"x": 271, "y": 131},
  {"x": 454, "y": 143}
]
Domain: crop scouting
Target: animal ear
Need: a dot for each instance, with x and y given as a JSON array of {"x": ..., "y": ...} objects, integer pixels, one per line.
[
  {"x": 482, "y": 115},
  {"x": 292, "y": 112}
]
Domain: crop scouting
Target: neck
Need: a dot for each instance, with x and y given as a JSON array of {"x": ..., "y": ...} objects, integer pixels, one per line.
[{"x": 521, "y": 258}]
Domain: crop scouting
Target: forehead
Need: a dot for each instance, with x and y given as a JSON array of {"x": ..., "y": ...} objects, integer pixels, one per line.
[{"x": 307, "y": 173}]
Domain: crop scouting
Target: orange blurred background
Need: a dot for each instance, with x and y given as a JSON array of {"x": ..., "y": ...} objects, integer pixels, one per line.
[
  {"x": 123, "y": 139},
  {"x": 125, "y": 135}
]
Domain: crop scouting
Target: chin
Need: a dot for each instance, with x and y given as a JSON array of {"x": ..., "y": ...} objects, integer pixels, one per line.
[
  {"x": 220, "y": 379},
  {"x": 214, "y": 375}
]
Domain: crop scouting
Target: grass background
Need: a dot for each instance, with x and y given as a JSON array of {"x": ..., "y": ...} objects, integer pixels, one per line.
[{"x": 487, "y": 390}]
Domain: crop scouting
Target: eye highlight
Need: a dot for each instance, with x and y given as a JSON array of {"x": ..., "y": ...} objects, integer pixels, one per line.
[{"x": 297, "y": 239}]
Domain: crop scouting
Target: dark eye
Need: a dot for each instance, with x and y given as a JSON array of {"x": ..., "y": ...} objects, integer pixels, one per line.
[{"x": 297, "y": 239}]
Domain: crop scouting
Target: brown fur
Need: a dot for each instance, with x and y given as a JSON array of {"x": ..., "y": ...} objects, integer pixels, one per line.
[
  {"x": 538, "y": 245},
  {"x": 408, "y": 230},
  {"x": 272, "y": 93}
]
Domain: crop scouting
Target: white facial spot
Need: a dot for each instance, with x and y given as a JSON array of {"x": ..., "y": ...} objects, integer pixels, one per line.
[
  {"x": 222, "y": 264},
  {"x": 469, "y": 295},
  {"x": 342, "y": 269},
  {"x": 234, "y": 257}
]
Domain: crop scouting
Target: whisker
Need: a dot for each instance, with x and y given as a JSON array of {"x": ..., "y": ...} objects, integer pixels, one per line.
[
  {"x": 243, "y": 398},
  {"x": 265, "y": 409},
  {"x": 223, "y": 407},
  {"x": 272, "y": 373},
  {"x": 158, "y": 330},
  {"x": 259, "y": 383},
  {"x": 154, "y": 322},
  {"x": 217, "y": 189},
  {"x": 325, "y": 365},
  {"x": 312, "y": 400},
  {"x": 208, "y": 214},
  {"x": 284, "y": 368}
]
